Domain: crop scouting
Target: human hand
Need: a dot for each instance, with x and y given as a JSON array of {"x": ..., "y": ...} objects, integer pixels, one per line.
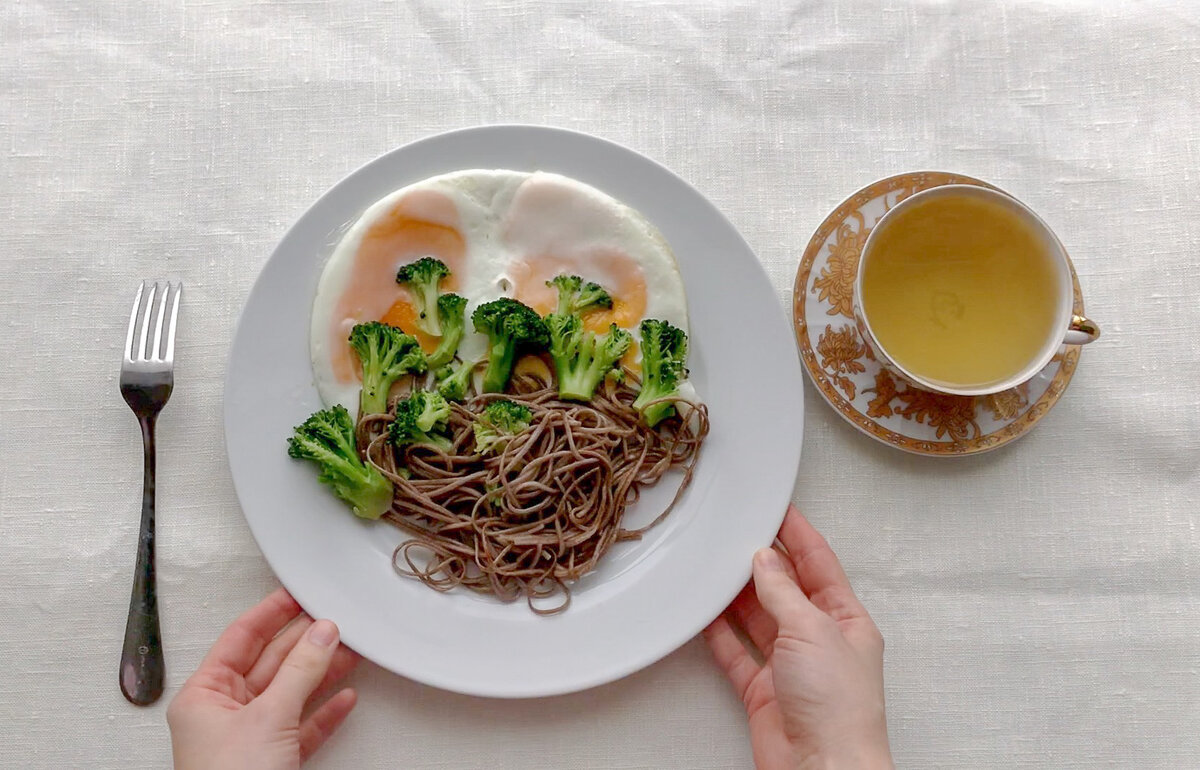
[
  {"x": 243, "y": 706},
  {"x": 817, "y": 699}
]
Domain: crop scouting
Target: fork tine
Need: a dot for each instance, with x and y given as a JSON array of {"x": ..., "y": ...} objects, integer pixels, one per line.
[
  {"x": 169, "y": 357},
  {"x": 133, "y": 316},
  {"x": 159, "y": 323},
  {"x": 141, "y": 346}
]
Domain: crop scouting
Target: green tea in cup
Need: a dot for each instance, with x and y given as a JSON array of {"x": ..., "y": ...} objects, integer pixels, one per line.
[{"x": 964, "y": 290}]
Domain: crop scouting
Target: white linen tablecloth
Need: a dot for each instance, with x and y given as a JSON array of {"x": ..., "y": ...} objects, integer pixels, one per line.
[{"x": 1041, "y": 604}]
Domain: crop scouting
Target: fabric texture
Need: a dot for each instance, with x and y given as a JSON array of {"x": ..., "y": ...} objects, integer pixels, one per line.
[{"x": 1041, "y": 604}]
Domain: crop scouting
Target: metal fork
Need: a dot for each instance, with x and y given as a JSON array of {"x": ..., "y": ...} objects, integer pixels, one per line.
[{"x": 147, "y": 376}]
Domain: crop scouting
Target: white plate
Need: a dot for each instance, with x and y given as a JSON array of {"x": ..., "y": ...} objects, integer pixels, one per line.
[{"x": 649, "y": 597}]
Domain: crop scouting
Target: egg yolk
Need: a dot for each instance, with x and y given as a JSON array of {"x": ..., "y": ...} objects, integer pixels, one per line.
[
  {"x": 422, "y": 223},
  {"x": 403, "y": 316},
  {"x": 614, "y": 270}
]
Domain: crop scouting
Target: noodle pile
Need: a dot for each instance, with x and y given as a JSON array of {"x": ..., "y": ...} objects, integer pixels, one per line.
[{"x": 528, "y": 520}]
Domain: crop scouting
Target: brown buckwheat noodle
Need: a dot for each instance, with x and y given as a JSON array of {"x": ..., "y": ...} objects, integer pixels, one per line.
[{"x": 538, "y": 515}]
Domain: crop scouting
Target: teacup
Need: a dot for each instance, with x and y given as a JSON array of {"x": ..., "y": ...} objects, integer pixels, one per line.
[{"x": 964, "y": 290}]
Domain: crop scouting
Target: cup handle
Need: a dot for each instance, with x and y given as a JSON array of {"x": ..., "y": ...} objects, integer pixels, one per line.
[{"x": 1081, "y": 331}]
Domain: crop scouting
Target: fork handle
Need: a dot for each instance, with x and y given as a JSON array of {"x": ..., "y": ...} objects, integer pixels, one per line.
[{"x": 142, "y": 666}]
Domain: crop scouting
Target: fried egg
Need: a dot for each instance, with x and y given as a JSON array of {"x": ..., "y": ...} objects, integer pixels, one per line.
[{"x": 502, "y": 234}]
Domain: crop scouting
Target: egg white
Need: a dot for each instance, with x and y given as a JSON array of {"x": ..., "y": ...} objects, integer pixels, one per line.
[{"x": 504, "y": 217}]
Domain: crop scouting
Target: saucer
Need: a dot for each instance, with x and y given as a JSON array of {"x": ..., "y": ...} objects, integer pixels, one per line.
[{"x": 874, "y": 400}]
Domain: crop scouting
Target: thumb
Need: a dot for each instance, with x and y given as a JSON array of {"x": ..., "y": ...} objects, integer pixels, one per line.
[
  {"x": 302, "y": 670},
  {"x": 780, "y": 595}
]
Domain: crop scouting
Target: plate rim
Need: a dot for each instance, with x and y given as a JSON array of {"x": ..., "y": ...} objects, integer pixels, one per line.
[{"x": 670, "y": 642}]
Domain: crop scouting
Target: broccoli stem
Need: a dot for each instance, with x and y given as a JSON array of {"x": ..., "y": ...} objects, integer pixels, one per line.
[
  {"x": 501, "y": 359},
  {"x": 577, "y": 381},
  {"x": 453, "y": 383},
  {"x": 446, "y": 349},
  {"x": 426, "y": 295},
  {"x": 374, "y": 393},
  {"x": 655, "y": 413},
  {"x": 366, "y": 491},
  {"x": 581, "y": 357},
  {"x": 373, "y": 496}
]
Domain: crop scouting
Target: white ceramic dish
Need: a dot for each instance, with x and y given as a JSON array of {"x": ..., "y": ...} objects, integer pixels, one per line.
[{"x": 648, "y": 597}]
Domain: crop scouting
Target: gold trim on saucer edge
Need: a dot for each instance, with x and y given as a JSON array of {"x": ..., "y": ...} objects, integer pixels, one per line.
[{"x": 858, "y": 387}]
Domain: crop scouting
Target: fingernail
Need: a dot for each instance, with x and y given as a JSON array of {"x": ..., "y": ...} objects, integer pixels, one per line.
[
  {"x": 323, "y": 633},
  {"x": 765, "y": 558}
]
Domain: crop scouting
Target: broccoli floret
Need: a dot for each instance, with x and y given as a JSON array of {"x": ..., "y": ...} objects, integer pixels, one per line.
[
  {"x": 453, "y": 382},
  {"x": 327, "y": 438},
  {"x": 451, "y": 314},
  {"x": 664, "y": 355},
  {"x": 497, "y": 423},
  {"x": 386, "y": 355},
  {"x": 420, "y": 419},
  {"x": 422, "y": 278},
  {"x": 575, "y": 297},
  {"x": 512, "y": 328},
  {"x": 582, "y": 358}
]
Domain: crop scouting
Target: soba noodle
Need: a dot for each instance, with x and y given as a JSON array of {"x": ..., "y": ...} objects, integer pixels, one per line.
[{"x": 541, "y": 513}]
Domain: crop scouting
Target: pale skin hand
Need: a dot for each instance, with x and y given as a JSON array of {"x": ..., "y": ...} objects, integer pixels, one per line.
[
  {"x": 244, "y": 707},
  {"x": 817, "y": 700}
]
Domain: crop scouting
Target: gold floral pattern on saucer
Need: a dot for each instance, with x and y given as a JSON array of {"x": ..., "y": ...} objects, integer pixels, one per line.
[{"x": 846, "y": 373}]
